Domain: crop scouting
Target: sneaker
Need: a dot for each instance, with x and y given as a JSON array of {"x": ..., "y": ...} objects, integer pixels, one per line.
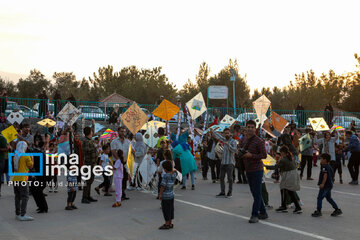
[
  {"x": 183, "y": 188},
  {"x": 85, "y": 201},
  {"x": 336, "y": 213},
  {"x": 221, "y": 195},
  {"x": 316, "y": 214},
  {"x": 92, "y": 199},
  {"x": 214, "y": 181},
  {"x": 192, "y": 187},
  {"x": 26, "y": 218},
  {"x": 68, "y": 208},
  {"x": 50, "y": 189},
  {"x": 281, "y": 209},
  {"x": 74, "y": 207},
  {"x": 138, "y": 188},
  {"x": 263, "y": 216},
  {"x": 309, "y": 178},
  {"x": 356, "y": 182},
  {"x": 124, "y": 198},
  {"x": 229, "y": 195},
  {"x": 297, "y": 211},
  {"x": 253, "y": 219},
  {"x": 55, "y": 190},
  {"x": 130, "y": 188}
]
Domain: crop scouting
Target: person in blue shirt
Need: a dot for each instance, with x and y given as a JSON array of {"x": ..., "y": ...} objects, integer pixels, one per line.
[
  {"x": 166, "y": 194},
  {"x": 354, "y": 161},
  {"x": 325, "y": 185}
]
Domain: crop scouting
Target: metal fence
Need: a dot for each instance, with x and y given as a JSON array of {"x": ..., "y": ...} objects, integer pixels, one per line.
[{"x": 36, "y": 108}]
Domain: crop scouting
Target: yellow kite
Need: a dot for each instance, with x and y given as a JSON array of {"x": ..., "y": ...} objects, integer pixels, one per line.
[
  {"x": 130, "y": 162},
  {"x": 319, "y": 124},
  {"x": 134, "y": 118},
  {"x": 10, "y": 133},
  {"x": 47, "y": 122},
  {"x": 152, "y": 124},
  {"x": 166, "y": 110},
  {"x": 269, "y": 161}
]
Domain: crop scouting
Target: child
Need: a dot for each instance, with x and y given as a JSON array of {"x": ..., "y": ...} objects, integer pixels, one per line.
[
  {"x": 325, "y": 185},
  {"x": 167, "y": 194},
  {"x": 118, "y": 177},
  {"x": 21, "y": 189},
  {"x": 53, "y": 181},
  {"x": 337, "y": 164},
  {"x": 104, "y": 161},
  {"x": 71, "y": 189}
]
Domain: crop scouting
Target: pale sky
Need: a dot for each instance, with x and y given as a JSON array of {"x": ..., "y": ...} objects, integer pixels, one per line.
[{"x": 272, "y": 40}]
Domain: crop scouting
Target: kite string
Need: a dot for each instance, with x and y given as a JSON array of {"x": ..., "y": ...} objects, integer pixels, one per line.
[{"x": 178, "y": 126}]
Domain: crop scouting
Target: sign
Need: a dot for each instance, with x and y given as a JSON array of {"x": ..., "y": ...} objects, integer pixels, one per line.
[{"x": 218, "y": 92}]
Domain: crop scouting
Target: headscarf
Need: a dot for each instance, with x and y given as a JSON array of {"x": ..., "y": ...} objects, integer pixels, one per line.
[
  {"x": 20, "y": 148},
  {"x": 139, "y": 142}
]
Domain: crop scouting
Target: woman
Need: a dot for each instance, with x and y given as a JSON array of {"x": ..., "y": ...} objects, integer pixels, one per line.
[
  {"x": 79, "y": 151},
  {"x": 140, "y": 152},
  {"x": 290, "y": 180}
]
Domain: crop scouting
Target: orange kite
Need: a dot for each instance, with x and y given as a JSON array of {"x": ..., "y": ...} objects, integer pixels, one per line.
[{"x": 166, "y": 110}]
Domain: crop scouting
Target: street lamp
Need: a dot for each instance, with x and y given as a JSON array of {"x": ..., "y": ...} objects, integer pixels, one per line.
[{"x": 232, "y": 79}]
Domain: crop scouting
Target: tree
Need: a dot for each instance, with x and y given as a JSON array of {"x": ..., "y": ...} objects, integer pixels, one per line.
[
  {"x": 31, "y": 86},
  {"x": 66, "y": 84}
]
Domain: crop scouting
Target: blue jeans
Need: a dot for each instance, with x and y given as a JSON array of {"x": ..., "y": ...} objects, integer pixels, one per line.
[
  {"x": 255, "y": 183},
  {"x": 192, "y": 174},
  {"x": 325, "y": 193}
]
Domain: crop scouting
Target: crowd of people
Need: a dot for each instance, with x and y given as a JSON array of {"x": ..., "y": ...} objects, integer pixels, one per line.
[{"x": 234, "y": 152}]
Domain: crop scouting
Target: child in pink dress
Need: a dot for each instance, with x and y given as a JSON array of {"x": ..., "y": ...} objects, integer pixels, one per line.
[{"x": 118, "y": 177}]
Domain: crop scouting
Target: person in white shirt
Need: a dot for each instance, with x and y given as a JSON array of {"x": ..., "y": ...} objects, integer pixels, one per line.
[{"x": 104, "y": 161}]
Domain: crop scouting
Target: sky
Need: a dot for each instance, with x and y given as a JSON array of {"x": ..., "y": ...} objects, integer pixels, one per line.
[{"x": 271, "y": 40}]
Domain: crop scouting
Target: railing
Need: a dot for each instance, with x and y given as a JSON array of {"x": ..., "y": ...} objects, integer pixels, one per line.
[{"x": 36, "y": 108}]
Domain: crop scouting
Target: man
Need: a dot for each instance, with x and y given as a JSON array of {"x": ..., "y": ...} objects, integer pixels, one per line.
[
  {"x": 213, "y": 160},
  {"x": 25, "y": 135},
  {"x": 43, "y": 104},
  {"x": 90, "y": 158},
  {"x": 227, "y": 161},
  {"x": 3, "y": 100},
  {"x": 4, "y": 148},
  {"x": 354, "y": 161},
  {"x": 255, "y": 152},
  {"x": 307, "y": 157},
  {"x": 122, "y": 143}
]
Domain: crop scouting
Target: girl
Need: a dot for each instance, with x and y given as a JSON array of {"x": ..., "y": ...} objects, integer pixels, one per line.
[
  {"x": 104, "y": 161},
  {"x": 290, "y": 180},
  {"x": 118, "y": 177},
  {"x": 140, "y": 152}
]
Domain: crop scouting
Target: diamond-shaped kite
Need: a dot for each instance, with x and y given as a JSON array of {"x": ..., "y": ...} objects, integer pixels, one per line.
[
  {"x": 47, "y": 122},
  {"x": 318, "y": 124},
  {"x": 261, "y": 105},
  {"x": 305, "y": 142},
  {"x": 9, "y": 133},
  {"x": 166, "y": 110},
  {"x": 227, "y": 120},
  {"x": 278, "y": 122},
  {"x": 134, "y": 118},
  {"x": 15, "y": 117},
  {"x": 260, "y": 121},
  {"x": 69, "y": 114},
  {"x": 196, "y": 106}
]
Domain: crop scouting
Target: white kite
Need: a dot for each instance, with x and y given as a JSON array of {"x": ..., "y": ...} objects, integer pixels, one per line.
[
  {"x": 15, "y": 117},
  {"x": 147, "y": 169},
  {"x": 151, "y": 137},
  {"x": 69, "y": 114},
  {"x": 261, "y": 105},
  {"x": 227, "y": 121},
  {"x": 196, "y": 106},
  {"x": 260, "y": 121},
  {"x": 319, "y": 124}
]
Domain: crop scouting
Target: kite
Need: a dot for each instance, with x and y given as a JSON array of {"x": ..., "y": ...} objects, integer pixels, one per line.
[
  {"x": 260, "y": 121},
  {"x": 261, "y": 106},
  {"x": 10, "y": 133},
  {"x": 278, "y": 122},
  {"x": 337, "y": 128},
  {"x": 151, "y": 137},
  {"x": 60, "y": 124},
  {"x": 318, "y": 124},
  {"x": 269, "y": 161},
  {"x": 166, "y": 110},
  {"x": 69, "y": 114},
  {"x": 216, "y": 128},
  {"x": 134, "y": 118},
  {"x": 15, "y": 117},
  {"x": 147, "y": 169},
  {"x": 63, "y": 148},
  {"x": 130, "y": 162},
  {"x": 196, "y": 106},
  {"x": 152, "y": 124},
  {"x": 227, "y": 121},
  {"x": 109, "y": 134},
  {"x": 98, "y": 127},
  {"x": 47, "y": 122},
  {"x": 305, "y": 142}
]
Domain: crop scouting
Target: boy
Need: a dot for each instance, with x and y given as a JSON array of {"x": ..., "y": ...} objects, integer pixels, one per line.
[
  {"x": 104, "y": 160},
  {"x": 325, "y": 185},
  {"x": 71, "y": 189},
  {"x": 167, "y": 194}
]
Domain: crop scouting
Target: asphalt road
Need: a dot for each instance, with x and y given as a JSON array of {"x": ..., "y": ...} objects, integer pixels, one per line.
[{"x": 198, "y": 215}]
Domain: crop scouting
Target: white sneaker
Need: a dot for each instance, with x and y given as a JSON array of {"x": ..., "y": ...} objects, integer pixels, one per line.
[
  {"x": 139, "y": 188},
  {"x": 26, "y": 218},
  {"x": 130, "y": 188}
]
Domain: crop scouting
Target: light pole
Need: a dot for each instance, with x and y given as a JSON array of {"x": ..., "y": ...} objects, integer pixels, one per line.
[{"x": 232, "y": 79}]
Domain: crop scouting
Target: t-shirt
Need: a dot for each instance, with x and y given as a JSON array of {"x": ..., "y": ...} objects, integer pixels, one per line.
[
  {"x": 104, "y": 160},
  {"x": 330, "y": 174},
  {"x": 24, "y": 163},
  {"x": 3, "y": 144},
  {"x": 117, "y": 144},
  {"x": 168, "y": 181}
]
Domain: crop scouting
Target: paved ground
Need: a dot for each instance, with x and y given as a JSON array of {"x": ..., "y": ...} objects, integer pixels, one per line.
[{"x": 198, "y": 215}]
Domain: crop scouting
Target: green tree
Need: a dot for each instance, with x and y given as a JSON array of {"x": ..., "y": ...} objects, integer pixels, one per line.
[{"x": 31, "y": 86}]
